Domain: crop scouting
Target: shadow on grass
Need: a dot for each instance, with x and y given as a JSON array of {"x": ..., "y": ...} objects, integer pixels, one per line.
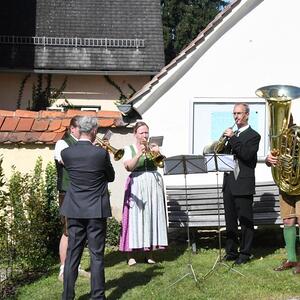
[
  {"x": 176, "y": 248},
  {"x": 128, "y": 281},
  {"x": 132, "y": 280},
  {"x": 266, "y": 239}
]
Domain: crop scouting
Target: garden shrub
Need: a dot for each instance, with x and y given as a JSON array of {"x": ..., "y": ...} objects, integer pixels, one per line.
[
  {"x": 113, "y": 232},
  {"x": 34, "y": 224}
]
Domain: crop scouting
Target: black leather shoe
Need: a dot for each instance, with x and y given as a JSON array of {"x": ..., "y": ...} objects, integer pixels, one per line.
[
  {"x": 242, "y": 260},
  {"x": 230, "y": 257}
]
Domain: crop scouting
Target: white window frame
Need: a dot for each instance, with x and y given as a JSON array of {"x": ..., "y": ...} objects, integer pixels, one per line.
[{"x": 201, "y": 135}]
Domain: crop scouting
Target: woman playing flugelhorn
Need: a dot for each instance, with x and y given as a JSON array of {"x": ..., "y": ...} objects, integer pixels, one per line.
[{"x": 144, "y": 225}]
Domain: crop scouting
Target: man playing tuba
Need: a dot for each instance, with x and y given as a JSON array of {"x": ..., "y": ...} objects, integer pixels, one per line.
[
  {"x": 290, "y": 214},
  {"x": 284, "y": 160}
]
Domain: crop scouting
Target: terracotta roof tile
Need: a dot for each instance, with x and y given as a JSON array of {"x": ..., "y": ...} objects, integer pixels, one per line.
[
  {"x": 22, "y": 126},
  {"x": 16, "y": 137},
  {"x": 54, "y": 125},
  {"x": 51, "y": 114},
  {"x": 4, "y": 136},
  {"x": 73, "y": 112},
  {"x": 7, "y": 113},
  {"x": 25, "y": 124},
  {"x": 61, "y": 129},
  {"x": 26, "y": 114},
  {"x": 66, "y": 122},
  {"x": 32, "y": 137},
  {"x": 106, "y": 122},
  {"x": 58, "y": 136},
  {"x": 40, "y": 125},
  {"x": 108, "y": 114},
  {"x": 1, "y": 120},
  {"x": 47, "y": 136},
  {"x": 9, "y": 124}
]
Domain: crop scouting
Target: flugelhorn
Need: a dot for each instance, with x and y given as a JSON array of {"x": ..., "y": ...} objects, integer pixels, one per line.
[
  {"x": 220, "y": 145},
  {"x": 156, "y": 157},
  {"x": 117, "y": 153}
]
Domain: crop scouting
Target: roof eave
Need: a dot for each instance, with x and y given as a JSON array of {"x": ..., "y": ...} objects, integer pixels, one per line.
[
  {"x": 78, "y": 72},
  {"x": 163, "y": 81}
]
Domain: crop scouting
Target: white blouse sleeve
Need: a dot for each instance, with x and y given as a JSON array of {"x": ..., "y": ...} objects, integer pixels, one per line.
[
  {"x": 59, "y": 146},
  {"x": 128, "y": 153}
]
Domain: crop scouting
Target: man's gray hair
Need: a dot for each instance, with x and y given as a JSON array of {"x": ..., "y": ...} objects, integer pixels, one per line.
[
  {"x": 87, "y": 124},
  {"x": 246, "y": 106}
]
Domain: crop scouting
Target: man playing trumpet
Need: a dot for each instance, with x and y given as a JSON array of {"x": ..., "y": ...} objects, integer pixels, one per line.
[{"x": 239, "y": 186}]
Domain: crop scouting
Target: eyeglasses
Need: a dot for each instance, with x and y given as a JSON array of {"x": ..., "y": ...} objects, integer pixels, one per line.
[{"x": 239, "y": 113}]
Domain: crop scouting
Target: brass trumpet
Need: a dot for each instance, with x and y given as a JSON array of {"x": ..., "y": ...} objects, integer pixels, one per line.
[
  {"x": 156, "y": 157},
  {"x": 117, "y": 153}
]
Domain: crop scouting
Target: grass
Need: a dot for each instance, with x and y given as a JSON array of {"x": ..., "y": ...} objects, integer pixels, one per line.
[{"x": 171, "y": 278}]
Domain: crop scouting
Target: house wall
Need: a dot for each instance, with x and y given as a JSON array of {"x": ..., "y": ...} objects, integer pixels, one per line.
[
  {"x": 261, "y": 49},
  {"x": 80, "y": 89},
  {"x": 24, "y": 158}
]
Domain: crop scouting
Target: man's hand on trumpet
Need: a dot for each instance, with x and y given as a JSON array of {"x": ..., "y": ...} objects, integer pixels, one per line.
[
  {"x": 105, "y": 144},
  {"x": 228, "y": 132}
]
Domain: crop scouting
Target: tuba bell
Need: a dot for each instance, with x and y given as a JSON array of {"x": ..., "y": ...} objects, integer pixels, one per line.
[
  {"x": 117, "y": 153},
  {"x": 284, "y": 137}
]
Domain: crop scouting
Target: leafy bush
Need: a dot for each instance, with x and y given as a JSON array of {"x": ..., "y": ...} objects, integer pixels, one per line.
[
  {"x": 4, "y": 229},
  {"x": 32, "y": 219},
  {"x": 113, "y": 232}
]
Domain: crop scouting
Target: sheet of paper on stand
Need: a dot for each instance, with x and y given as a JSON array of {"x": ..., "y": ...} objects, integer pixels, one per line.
[
  {"x": 220, "y": 162},
  {"x": 185, "y": 164},
  {"x": 107, "y": 135},
  {"x": 158, "y": 140}
]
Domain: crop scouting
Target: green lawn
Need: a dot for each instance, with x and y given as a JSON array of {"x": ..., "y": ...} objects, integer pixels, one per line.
[{"x": 171, "y": 278}]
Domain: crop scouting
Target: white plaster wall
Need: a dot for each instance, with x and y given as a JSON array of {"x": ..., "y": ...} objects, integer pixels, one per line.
[{"x": 261, "y": 49}]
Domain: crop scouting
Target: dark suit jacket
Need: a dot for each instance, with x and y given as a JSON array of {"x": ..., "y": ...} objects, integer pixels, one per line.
[
  {"x": 245, "y": 148},
  {"x": 90, "y": 170}
]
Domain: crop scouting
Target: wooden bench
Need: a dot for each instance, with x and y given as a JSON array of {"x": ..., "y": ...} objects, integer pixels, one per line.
[{"x": 203, "y": 203}]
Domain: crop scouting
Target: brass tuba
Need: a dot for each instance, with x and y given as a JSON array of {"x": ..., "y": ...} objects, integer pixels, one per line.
[
  {"x": 284, "y": 138},
  {"x": 117, "y": 153}
]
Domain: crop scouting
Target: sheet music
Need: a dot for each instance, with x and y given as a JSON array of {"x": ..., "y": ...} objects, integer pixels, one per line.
[
  {"x": 158, "y": 140},
  {"x": 185, "y": 164},
  {"x": 225, "y": 162},
  {"x": 107, "y": 135}
]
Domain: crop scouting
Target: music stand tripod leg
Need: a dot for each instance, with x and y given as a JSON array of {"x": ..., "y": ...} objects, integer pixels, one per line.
[
  {"x": 219, "y": 261},
  {"x": 183, "y": 160}
]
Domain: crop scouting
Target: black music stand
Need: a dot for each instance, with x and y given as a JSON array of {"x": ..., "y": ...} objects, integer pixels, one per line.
[
  {"x": 220, "y": 163},
  {"x": 185, "y": 164}
]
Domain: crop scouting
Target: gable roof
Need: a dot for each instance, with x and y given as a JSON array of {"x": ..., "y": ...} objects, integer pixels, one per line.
[
  {"x": 82, "y": 36},
  {"x": 171, "y": 73},
  {"x": 46, "y": 127}
]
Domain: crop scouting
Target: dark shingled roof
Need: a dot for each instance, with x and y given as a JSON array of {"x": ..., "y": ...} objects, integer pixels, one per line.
[{"x": 113, "y": 19}]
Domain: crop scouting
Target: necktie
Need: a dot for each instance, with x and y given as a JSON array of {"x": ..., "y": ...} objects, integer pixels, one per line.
[{"x": 236, "y": 169}]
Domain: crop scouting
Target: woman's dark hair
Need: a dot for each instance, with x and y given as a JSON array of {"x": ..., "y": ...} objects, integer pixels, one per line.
[
  {"x": 74, "y": 121},
  {"x": 138, "y": 125}
]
